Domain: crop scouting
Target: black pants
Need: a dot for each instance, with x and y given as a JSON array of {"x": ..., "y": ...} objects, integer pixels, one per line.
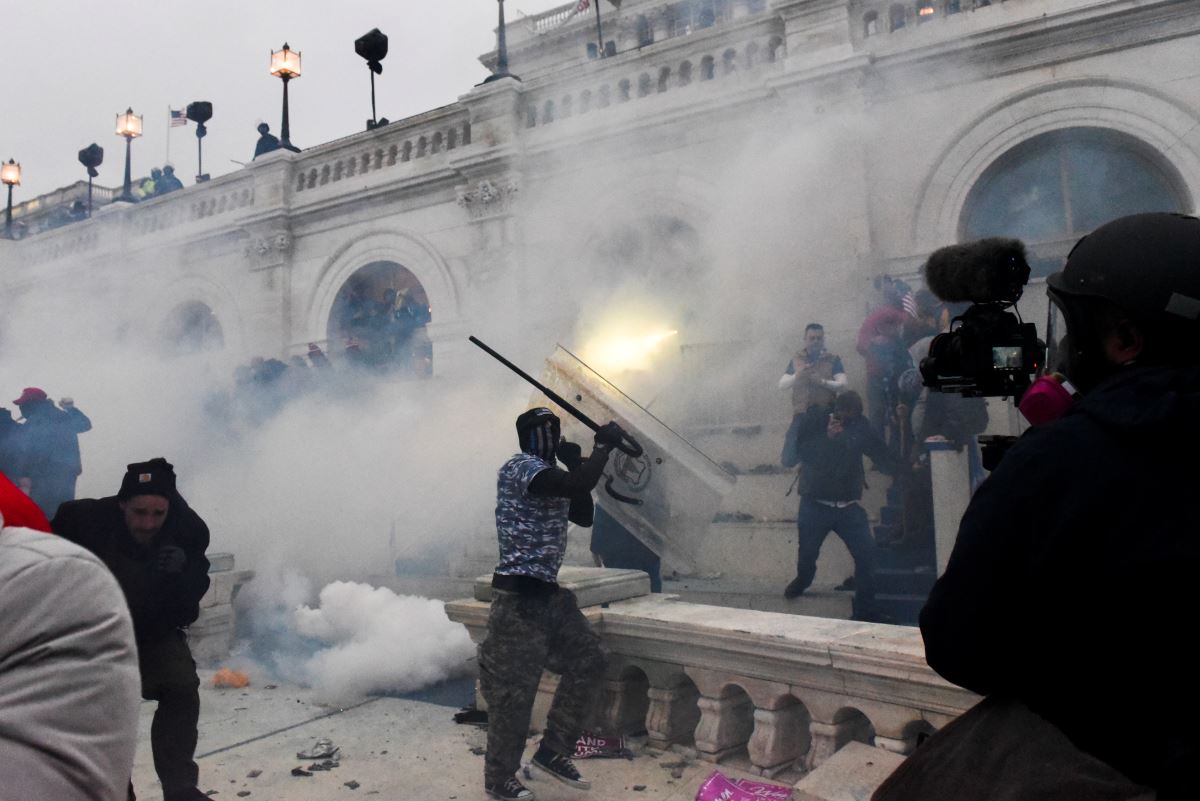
[
  {"x": 813, "y": 525},
  {"x": 169, "y": 677},
  {"x": 526, "y": 634}
]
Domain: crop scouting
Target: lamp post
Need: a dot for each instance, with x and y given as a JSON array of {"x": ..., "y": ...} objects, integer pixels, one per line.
[
  {"x": 285, "y": 65},
  {"x": 501, "y": 51},
  {"x": 129, "y": 125},
  {"x": 10, "y": 174},
  {"x": 91, "y": 157}
]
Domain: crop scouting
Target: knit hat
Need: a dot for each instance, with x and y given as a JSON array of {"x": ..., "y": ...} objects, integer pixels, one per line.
[
  {"x": 155, "y": 477},
  {"x": 29, "y": 395}
]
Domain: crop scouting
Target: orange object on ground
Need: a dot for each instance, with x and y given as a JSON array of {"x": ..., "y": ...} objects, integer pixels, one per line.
[{"x": 230, "y": 679}]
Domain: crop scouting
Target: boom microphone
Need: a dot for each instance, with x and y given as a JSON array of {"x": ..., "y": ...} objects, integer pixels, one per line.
[{"x": 987, "y": 271}]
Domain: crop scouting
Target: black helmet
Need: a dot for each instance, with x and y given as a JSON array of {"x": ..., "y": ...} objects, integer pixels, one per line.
[
  {"x": 538, "y": 432},
  {"x": 1145, "y": 264}
]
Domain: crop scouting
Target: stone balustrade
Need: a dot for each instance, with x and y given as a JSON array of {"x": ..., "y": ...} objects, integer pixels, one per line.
[{"x": 774, "y": 689}]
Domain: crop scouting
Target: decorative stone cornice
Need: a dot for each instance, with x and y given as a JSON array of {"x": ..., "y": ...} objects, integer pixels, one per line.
[{"x": 488, "y": 197}]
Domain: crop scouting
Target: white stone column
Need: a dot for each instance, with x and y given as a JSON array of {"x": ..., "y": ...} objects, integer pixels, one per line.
[
  {"x": 672, "y": 716},
  {"x": 827, "y": 738},
  {"x": 623, "y": 702},
  {"x": 726, "y": 724},
  {"x": 780, "y": 737},
  {"x": 951, "y": 492}
]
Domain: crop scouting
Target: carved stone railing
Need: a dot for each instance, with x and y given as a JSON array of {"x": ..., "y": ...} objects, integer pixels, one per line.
[
  {"x": 782, "y": 690},
  {"x": 428, "y": 139}
]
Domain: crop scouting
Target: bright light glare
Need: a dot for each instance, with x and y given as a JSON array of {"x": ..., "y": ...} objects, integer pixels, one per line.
[{"x": 616, "y": 353}]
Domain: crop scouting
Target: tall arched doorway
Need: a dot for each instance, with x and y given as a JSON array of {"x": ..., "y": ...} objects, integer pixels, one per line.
[
  {"x": 1052, "y": 189},
  {"x": 379, "y": 318},
  {"x": 191, "y": 328}
]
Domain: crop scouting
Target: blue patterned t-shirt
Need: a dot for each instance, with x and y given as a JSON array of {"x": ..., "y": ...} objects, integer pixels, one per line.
[{"x": 531, "y": 529}]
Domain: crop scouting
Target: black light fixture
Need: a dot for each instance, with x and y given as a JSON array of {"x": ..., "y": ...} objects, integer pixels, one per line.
[
  {"x": 129, "y": 125},
  {"x": 285, "y": 65},
  {"x": 10, "y": 176},
  {"x": 200, "y": 112},
  {"x": 373, "y": 46},
  {"x": 91, "y": 157}
]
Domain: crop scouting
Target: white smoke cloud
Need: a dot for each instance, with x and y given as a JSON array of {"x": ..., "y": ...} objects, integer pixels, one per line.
[{"x": 378, "y": 641}]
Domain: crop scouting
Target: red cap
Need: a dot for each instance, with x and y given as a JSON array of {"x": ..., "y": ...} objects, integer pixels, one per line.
[{"x": 29, "y": 395}]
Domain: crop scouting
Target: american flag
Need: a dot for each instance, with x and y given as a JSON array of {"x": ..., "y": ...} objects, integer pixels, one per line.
[
  {"x": 178, "y": 117},
  {"x": 582, "y": 6},
  {"x": 909, "y": 301}
]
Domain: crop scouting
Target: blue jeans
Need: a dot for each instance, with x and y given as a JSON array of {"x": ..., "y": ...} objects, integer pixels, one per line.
[{"x": 813, "y": 525}]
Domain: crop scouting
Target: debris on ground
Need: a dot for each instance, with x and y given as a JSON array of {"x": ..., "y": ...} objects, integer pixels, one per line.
[
  {"x": 592, "y": 746},
  {"x": 639, "y": 787},
  {"x": 254, "y": 774},
  {"x": 472, "y": 716},
  {"x": 321, "y": 749},
  {"x": 327, "y": 764},
  {"x": 353, "y": 785},
  {"x": 300, "y": 772},
  {"x": 226, "y": 679},
  {"x": 270, "y": 686},
  {"x": 477, "y": 751},
  {"x": 676, "y": 773},
  {"x": 243, "y": 793}
]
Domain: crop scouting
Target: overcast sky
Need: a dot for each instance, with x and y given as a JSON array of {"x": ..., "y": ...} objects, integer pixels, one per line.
[{"x": 71, "y": 65}]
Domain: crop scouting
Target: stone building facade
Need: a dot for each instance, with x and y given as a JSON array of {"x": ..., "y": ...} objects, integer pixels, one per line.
[{"x": 752, "y": 164}]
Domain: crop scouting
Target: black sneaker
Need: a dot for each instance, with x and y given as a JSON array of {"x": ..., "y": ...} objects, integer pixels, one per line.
[
  {"x": 508, "y": 790},
  {"x": 795, "y": 589},
  {"x": 560, "y": 767}
]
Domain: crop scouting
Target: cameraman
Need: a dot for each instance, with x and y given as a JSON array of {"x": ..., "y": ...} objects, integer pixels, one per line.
[{"x": 1071, "y": 582}]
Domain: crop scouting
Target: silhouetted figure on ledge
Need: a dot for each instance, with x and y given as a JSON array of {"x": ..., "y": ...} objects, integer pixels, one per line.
[
  {"x": 266, "y": 140},
  {"x": 168, "y": 182}
]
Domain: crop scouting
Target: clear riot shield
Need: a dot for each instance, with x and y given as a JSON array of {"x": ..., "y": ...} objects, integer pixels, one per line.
[{"x": 670, "y": 492}]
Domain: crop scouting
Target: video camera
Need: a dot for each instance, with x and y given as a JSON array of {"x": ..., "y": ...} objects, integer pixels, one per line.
[{"x": 989, "y": 350}]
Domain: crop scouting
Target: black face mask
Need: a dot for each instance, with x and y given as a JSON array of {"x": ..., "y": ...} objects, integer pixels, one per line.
[{"x": 1079, "y": 353}]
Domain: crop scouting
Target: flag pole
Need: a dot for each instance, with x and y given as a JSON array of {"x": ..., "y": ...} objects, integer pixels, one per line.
[
  {"x": 168, "y": 159},
  {"x": 599, "y": 31}
]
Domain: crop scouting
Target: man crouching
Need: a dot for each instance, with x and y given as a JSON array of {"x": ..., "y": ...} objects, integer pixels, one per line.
[
  {"x": 534, "y": 623},
  {"x": 154, "y": 544}
]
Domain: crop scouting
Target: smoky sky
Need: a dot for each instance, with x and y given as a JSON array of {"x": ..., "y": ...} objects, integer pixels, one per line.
[{"x": 72, "y": 66}]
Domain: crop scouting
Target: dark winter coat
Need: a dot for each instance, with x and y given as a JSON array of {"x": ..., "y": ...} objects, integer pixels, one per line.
[
  {"x": 48, "y": 442},
  {"x": 1072, "y": 583},
  {"x": 160, "y": 602},
  {"x": 831, "y": 468}
]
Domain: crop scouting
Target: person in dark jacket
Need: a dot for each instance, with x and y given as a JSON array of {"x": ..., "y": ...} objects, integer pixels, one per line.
[
  {"x": 1072, "y": 578},
  {"x": 831, "y": 443},
  {"x": 48, "y": 448},
  {"x": 154, "y": 544}
]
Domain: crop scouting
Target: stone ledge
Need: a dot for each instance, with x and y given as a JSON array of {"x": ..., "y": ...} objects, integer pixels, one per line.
[
  {"x": 592, "y": 585},
  {"x": 853, "y": 773}
]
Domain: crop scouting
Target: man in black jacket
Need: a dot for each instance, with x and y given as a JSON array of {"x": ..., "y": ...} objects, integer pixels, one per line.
[
  {"x": 1072, "y": 579},
  {"x": 831, "y": 443},
  {"x": 154, "y": 544}
]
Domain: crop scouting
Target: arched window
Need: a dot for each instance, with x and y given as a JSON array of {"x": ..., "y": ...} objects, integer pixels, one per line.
[
  {"x": 422, "y": 146},
  {"x": 566, "y": 107},
  {"x": 664, "y": 79},
  {"x": 436, "y": 147},
  {"x": 645, "y": 84},
  {"x": 685, "y": 73},
  {"x": 751, "y": 55},
  {"x": 466, "y": 133},
  {"x": 603, "y": 99},
  {"x": 896, "y": 17},
  {"x": 645, "y": 33},
  {"x": 530, "y": 116},
  {"x": 585, "y": 101},
  {"x": 953, "y": 6},
  {"x": 774, "y": 48},
  {"x": 623, "y": 90},
  {"x": 383, "y": 310},
  {"x": 451, "y": 138},
  {"x": 548, "y": 112},
  {"x": 191, "y": 328},
  {"x": 729, "y": 62},
  {"x": 406, "y": 152},
  {"x": 706, "y": 68},
  {"x": 870, "y": 24},
  {"x": 1054, "y": 188}
]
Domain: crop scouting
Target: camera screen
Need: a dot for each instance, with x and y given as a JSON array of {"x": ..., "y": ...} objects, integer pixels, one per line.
[{"x": 1007, "y": 357}]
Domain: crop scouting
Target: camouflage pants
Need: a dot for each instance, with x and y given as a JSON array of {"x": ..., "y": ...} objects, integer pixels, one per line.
[{"x": 526, "y": 634}]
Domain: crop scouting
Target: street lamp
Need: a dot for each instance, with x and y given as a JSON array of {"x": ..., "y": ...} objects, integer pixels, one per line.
[
  {"x": 10, "y": 175},
  {"x": 501, "y": 70},
  {"x": 129, "y": 125},
  {"x": 285, "y": 65}
]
